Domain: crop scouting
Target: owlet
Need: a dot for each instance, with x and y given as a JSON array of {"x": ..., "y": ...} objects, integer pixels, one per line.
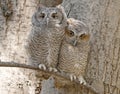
[
  {"x": 45, "y": 37},
  {"x": 74, "y": 50}
]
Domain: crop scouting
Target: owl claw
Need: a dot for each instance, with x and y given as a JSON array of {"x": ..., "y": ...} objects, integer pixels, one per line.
[
  {"x": 72, "y": 77},
  {"x": 82, "y": 80},
  {"x": 53, "y": 69},
  {"x": 42, "y": 66}
]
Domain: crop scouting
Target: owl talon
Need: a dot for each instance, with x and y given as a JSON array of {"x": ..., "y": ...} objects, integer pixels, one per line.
[
  {"x": 82, "y": 80},
  {"x": 53, "y": 69},
  {"x": 72, "y": 77},
  {"x": 42, "y": 66}
]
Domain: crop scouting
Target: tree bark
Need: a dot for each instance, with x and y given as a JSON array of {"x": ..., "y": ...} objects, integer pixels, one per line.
[
  {"x": 103, "y": 18},
  {"x": 103, "y": 68}
]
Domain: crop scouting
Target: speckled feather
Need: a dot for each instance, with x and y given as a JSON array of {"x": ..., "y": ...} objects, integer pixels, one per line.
[
  {"x": 46, "y": 35},
  {"x": 37, "y": 48},
  {"x": 73, "y": 58}
]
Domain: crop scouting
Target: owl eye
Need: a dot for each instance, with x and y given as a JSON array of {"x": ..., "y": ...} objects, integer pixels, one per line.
[
  {"x": 71, "y": 33},
  {"x": 54, "y": 15},
  {"x": 82, "y": 36},
  {"x": 42, "y": 15}
]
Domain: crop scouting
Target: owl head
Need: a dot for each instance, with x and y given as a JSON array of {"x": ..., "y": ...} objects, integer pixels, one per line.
[
  {"x": 76, "y": 32},
  {"x": 49, "y": 16}
]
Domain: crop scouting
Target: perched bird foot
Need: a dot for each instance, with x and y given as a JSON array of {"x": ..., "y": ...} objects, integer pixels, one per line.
[
  {"x": 42, "y": 66},
  {"x": 72, "y": 77},
  {"x": 53, "y": 69},
  {"x": 82, "y": 80}
]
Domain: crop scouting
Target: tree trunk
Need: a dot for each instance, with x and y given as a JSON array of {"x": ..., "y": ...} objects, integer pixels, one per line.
[
  {"x": 15, "y": 24},
  {"x": 103, "y": 18},
  {"x": 103, "y": 68}
]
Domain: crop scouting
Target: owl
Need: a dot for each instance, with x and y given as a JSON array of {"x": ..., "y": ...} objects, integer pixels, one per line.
[
  {"x": 74, "y": 50},
  {"x": 48, "y": 28}
]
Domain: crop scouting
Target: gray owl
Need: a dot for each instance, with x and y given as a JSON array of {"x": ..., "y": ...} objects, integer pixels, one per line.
[
  {"x": 74, "y": 50},
  {"x": 45, "y": 37}
]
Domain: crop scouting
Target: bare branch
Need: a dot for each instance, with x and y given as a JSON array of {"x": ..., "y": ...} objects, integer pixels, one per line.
[
  {"x": 13, "y": 64},
  {"x": 72, "y": 5},
  {"x": 57, "y": 74}
]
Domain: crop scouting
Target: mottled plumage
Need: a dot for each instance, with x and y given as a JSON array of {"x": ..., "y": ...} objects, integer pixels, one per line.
[
  {"x": 74, "y": 49},
  {"x": 45, "y": 37}
]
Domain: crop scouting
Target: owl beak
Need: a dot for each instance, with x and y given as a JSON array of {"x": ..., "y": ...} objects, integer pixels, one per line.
[
  {"x": 75, "y": 43},
  {"x": 47, "y": 21}
]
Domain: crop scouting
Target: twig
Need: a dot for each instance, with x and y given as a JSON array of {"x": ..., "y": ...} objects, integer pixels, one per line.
[
  {"x": 70, "y": 10},
  {"x": 57, "y": 74}
]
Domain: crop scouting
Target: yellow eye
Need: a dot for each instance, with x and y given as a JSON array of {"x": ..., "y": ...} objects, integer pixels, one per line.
[
  {"x": 42, "y": 15},
  {"x": 68, "y": 32},
  {"x": 54, "y": 15},
  {"x": 82, "y": 36},
  {"x": 71, "y": 33}
]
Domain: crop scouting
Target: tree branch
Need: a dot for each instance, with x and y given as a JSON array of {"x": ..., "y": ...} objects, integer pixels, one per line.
[{"x": 57, "y": 74}]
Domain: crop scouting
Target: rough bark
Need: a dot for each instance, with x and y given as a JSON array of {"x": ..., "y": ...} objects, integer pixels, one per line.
[
  {"x": 103, "y": 69},
  {"x": 51, "y": 3},
  {"x": 13, "y": 33}
]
